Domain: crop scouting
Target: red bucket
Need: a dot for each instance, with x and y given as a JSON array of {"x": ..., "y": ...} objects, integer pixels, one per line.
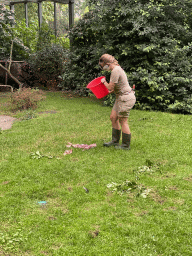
[{"x": 98, "y": 88}]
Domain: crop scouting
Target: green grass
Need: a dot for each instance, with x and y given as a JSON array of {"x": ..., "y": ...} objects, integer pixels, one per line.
[{"x": 100, "y": 222}]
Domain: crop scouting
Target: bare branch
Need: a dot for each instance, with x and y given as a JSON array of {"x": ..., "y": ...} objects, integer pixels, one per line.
[{"x": 14, "y": 78}]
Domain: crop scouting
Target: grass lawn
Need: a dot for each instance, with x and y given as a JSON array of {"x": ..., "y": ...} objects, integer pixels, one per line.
[{"x": 149, "y": 215}]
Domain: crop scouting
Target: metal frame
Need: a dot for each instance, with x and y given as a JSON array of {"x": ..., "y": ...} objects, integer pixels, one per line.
[{"x": 39, "y": 2}]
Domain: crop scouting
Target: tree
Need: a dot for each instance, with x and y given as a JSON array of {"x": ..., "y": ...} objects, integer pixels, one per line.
[
  {"x": 7, "y": 36},
  {"x": 80, "y": 8},
  {"x": 152, "y": 41},
  {"x": 48, "y": 14}
]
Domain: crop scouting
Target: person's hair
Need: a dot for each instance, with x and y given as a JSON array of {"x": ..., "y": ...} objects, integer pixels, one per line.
[{"x": 107, "y": 58}]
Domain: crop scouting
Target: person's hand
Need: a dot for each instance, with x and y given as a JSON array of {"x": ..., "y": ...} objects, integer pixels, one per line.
[{"x": 103, "y": 80}]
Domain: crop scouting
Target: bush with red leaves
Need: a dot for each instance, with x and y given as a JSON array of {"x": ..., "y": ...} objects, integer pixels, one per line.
[{"x": 26, "y": 98}]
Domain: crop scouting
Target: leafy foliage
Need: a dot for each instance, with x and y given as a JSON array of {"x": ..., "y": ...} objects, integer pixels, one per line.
[
  {"x": 150, "y": 39},
  {"x": 38, "y": 155},
  {"x": 49, "y": 60},
  {"x": 30, "y": 114},
  {"x": 45, "y": 36},
  {"x": 48, "y": 14},
  {"x": 129, "y": 187},
  {"x": 20, "y": 51},
  {"x": 45, "y": 62},
  {"x": 45, "y": 67},
  {"x": 29, "y": 35}
]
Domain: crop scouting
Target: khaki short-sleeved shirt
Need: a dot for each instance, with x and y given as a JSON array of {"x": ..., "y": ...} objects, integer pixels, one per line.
[
  {"x": 125, "y": 97},
  {"x": 119, "y": 78}
]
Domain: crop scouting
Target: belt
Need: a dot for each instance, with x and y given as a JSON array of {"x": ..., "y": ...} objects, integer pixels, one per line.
[{"x": 127, "y": 93}]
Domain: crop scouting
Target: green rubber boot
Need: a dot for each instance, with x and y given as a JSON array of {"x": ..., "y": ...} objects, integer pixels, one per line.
[
  {"x": 126, "y": 140},
  {"x": 116, "y": 134}
]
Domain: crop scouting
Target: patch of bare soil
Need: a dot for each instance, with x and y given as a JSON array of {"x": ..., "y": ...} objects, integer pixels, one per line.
[
  {"x": 6, "y": 122},
  {"x": 188, "y": 178},
  {"x": 157, "y": 198}
]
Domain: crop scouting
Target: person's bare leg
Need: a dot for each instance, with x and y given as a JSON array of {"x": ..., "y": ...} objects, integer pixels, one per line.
[
  {"x": 124, "y": 125},
  {"x": 115, "y": 120}
]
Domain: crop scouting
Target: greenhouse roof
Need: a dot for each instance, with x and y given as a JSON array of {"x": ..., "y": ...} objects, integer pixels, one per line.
[{"x": 8, "y": 2}]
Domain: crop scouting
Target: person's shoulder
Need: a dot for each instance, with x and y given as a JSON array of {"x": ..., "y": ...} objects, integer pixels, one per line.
[{"x": 116, "y": 69}]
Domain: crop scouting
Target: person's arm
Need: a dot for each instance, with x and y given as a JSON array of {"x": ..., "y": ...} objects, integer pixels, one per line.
[{"x": 110, "y": 86}]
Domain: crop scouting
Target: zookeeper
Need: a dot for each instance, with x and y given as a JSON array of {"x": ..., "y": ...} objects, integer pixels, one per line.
[{"x": 125, "y": 100}]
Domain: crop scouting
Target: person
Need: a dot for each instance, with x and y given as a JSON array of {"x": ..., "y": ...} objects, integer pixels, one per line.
[{"x": 125, "y": 100}]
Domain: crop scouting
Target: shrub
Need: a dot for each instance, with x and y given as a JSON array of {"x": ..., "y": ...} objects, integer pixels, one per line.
[
  {"x": 49, "y": 60},
  {"x": 45, "y": 37},
  {"x": 45, "y": 67},
  {"x": 26, "y": 98},
  {"x": 63, "y": 41},
  {"x": 82, "y": 65},
  {"x": 150, "y": 39}
]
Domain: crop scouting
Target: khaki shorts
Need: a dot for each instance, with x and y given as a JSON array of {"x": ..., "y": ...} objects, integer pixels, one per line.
[{"x": 124, "y": 103}]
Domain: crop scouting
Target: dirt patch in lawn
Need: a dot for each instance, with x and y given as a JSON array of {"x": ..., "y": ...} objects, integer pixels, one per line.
[{"x": 6, "y": 122}]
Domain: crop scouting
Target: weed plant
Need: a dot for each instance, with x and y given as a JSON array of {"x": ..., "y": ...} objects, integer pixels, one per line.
[
  {"x": 53, "y": 204},
  {"x": 26, "y": 98}
]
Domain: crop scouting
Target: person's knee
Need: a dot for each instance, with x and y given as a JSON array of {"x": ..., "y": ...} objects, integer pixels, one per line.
[
  {"x": 113, "y": 118},
  {"x": 123, "y": 120}
]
